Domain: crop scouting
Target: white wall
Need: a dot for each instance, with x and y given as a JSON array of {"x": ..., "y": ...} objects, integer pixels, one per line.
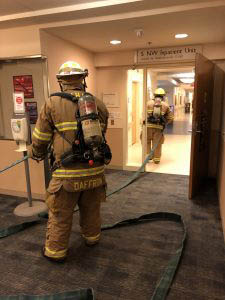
[
  {"x": 114, "y": 80},
  {"x": 221, "y": 164}
]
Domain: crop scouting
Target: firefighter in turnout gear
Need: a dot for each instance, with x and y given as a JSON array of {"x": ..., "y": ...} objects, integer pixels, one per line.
[
  {"x": 158, "y": 116},
  {"x": 80, "y": 152}
]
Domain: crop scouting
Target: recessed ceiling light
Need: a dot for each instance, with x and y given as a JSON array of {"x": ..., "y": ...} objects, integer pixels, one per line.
[
  {"x": 115, "y": 42},
  {"x": 181, "y": 35}
]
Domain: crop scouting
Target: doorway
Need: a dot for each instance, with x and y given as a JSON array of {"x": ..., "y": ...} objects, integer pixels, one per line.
[
  {"x": 178, "y": 84},
  {"x": 189, "y": 144},
  {"x": 134, "y": 117}
]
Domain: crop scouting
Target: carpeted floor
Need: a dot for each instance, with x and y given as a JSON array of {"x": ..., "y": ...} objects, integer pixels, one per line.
[{"x": 128, "y": 261}]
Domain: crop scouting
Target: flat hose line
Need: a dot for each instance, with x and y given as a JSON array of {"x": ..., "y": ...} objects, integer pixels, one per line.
[
  {"x": 162, "y": 287},
  {"x": 14, "y": 164}
]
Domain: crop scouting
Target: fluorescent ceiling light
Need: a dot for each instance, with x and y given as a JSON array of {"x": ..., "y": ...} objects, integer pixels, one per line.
[
  {"x": 115, "y": 42},
  {"x": 187, "y": 80},
  {"x": 184, "y": 75},
  {"x": 174, "y": 82},
  {"x": 181, "y": 35}
]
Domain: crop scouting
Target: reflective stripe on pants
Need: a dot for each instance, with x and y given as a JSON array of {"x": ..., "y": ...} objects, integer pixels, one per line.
[{"x": 61, "y": 207}]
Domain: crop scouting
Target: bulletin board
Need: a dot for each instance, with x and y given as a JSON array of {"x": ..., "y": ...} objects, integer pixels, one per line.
[{"x": 115, "y": 119}]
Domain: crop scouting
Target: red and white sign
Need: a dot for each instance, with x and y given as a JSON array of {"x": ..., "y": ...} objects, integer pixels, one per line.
[
  {"x": 18, "y": 99},
  {"x": 24, "y": 84}
]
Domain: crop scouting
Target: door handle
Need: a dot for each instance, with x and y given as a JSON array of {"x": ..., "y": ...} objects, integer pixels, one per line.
[
  {"x": 221, "y": 133},
  {"x": 144, "y": 123},
  {"x": 196, "y": 131}
]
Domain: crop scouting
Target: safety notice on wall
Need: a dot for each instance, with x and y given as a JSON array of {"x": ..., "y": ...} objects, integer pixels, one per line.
[
  {"x": 167, "y": 54},
  {"x": 31, "y": 108},
  {"x": 24, "y": 83},
  {"x": 18, "y": 99}
]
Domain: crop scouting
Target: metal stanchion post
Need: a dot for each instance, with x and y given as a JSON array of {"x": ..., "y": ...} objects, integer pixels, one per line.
[
  {"x": 30, "y": 207},
  {"x": 27, "y": 172},
  {"x": 21, "y": 131}
]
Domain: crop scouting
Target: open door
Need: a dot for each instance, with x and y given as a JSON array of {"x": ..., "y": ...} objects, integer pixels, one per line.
[
  {"x": 134, "y": 108},
  {"x": 201, "y": 124},
  {"x": 135, "y": 100}
]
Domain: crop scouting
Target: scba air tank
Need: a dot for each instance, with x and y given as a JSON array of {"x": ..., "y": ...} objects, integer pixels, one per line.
[{"x": 90, "y": 121}]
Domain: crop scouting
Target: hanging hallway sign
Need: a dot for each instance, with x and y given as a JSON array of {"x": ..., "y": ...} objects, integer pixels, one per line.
[{"x": 152, "y": 55}]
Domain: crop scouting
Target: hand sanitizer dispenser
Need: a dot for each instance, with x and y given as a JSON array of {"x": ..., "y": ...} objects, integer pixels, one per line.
[{"x": 19, "y": 129}]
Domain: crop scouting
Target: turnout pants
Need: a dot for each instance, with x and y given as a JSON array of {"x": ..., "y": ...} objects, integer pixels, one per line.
[
  {"x": 153, "y": 136},
  {"x": 61, "y": 208}
]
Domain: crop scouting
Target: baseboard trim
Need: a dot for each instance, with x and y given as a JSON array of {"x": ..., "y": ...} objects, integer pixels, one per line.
[{"x": 21, "y": 194}]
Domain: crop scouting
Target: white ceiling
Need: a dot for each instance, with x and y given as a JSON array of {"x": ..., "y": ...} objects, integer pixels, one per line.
[
  {"x": 20, "y": 6},
  {"x": 92, "y": 24},
  {"x": 9, "y": 7}
]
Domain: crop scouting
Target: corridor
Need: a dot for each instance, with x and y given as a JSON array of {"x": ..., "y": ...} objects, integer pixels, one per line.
[{"x": 175, "y": 150}]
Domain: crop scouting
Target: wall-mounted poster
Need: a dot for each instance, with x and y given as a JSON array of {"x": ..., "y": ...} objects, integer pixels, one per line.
[
  {"x": 31, "y": 108},
  {"x": 24, "y": 83}
]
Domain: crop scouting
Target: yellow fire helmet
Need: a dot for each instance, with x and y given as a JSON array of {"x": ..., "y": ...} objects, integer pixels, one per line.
[
  {"x": 70, "y": 68},
  {"x": 159, "y": 92}
]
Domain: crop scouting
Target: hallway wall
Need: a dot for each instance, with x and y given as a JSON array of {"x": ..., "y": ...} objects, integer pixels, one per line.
[
  {"x": 221, "y": 171},
  {"x": 114, "y": 81},
  {"x": 20, "y": 41},
  {"x": 59, "y": 51},
  {"x": 221, "y": 185}
]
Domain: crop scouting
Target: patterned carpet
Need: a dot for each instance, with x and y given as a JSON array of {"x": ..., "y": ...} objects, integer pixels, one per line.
[{"x": 128, "y": 261}]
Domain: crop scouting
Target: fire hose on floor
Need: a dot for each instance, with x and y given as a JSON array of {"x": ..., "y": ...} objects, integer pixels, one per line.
[{"x": 167, "y": 277}]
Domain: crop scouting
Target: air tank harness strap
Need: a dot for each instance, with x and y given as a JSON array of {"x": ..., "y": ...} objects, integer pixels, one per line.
[
  {"x": 66, "y": 95},
  {"x": 164, "y": 283}
]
